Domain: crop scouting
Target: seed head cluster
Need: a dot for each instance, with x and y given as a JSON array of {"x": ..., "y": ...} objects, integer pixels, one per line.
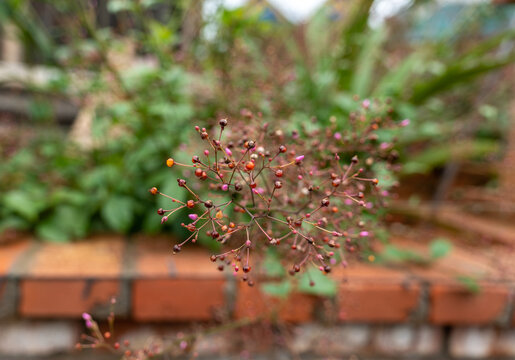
[{"x": 305, "y": 193}]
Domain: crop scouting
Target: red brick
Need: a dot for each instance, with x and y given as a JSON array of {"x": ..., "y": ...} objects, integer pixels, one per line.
[
  {"x": 155, "y": 259},
  {"x": 98, "y": 257},
  {"x": 176, "y": 299},
  {"x": 453, "y": 304},
  {"x": 373, "y": 302},
  {"x": 64, "y": 298},
  {"x": 65, "y": 280},
  {"x": 11, "y": 252},
  {"x": 251, "y": 302}
]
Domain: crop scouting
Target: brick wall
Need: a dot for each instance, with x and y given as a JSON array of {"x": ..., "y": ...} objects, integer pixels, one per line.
[{"x": 44, "y": 289}]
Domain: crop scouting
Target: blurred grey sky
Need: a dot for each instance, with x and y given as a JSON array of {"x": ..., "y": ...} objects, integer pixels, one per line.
[{"x": 300, "y": 10}]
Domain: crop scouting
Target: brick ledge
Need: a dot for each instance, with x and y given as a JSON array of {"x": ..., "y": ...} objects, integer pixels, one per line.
[{"x": 61, "y": 281}]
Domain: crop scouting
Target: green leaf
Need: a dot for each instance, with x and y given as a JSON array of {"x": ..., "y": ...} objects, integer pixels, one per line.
[
  {"x": 439, "y": 248},
  {"x": 118, "y": 213},
  {"x": 365, "y": 66},
  {"x": 51, "y": 231},
  {"x": 456, "y": 73},
  {"x": 324, "y": 285},
  {"x": 392, "y": 253},
  {"x": 458, "y": 151},
  {"x": 469, "y": 283},
  {"x": 272, "y": 264},
  {"x": 25, "y": 204},
  {"x": 13, "y": 222},
  {"x": 115, "y": 6},
  {"x": 64, "y": 223},
  {"x": 386, "y": 177},
  {"x": 281, "y": 289}
]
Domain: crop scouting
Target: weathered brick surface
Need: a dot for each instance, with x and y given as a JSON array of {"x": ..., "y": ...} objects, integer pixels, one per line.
[
  {"x": 182, "y": 287},
  {"x": 453, "y": 304},
  {"x": 64, "y": 280},
  {"x": 252, "y": 302},
  {"x": 65, "y": 298},
  {"x": 9, "y": 255},
  {"x": 98, "y": 257},
  {"x": 377, "y": 302},
  {"x": 176, "y": 299},
  {"x": 155, "y": 259}
]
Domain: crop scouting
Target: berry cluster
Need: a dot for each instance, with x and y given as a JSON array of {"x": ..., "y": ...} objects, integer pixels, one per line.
[{"x": 264, "y": 188}]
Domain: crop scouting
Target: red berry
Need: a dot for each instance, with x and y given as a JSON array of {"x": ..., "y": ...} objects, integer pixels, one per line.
[
  {"x": 153, "y": 191},
  {"x": 250, "y": 165}
]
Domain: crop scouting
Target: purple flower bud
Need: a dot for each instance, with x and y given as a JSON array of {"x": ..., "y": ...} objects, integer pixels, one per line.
[
  {"x": 228, "y": 152},
  {"x": 260, "y": 190},
  {"x": 384, "y": 146},
  {"x": 299, "y": 158},
  {"x": 363, "y": 234},
  {"x": 225, "y": 187},
  {"x": 405, "y": 122},
  {"x": 86, "y": 316},
  {"x": 193, "y": 216},
  {"x": 365, "y": 104},
  {"x": 248, "y": 243},
  {"x": 163, "y": 219},
  {"x": 206, "y": 152},
  {"x": 332, "y": 261},
  {"x": 183, "y": 345},
  {"x": 338, "y": 136},
  {"x": 89, "y": 324}
]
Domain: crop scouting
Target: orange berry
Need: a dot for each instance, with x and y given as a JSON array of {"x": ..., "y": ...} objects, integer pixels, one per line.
[
  {"x": 170, "y": 162},
  {"x": 219, "y": 214},
  {"x": 249, "y": 165},
  {"x": 190, "y": 203},
  {"x": 153, "y": 191}
]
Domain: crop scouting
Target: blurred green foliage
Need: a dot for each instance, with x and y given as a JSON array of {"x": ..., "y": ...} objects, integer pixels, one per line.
[
  {"x": 203, "y": 66},
  {"x": 60, "y": 190}
]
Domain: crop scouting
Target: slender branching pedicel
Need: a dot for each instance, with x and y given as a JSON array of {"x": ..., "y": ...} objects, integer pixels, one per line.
[{"x": 303, "y": 195}]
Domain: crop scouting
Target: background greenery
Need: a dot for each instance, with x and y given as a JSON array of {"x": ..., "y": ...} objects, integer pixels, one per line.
[{"x": 188, "y": 67}]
